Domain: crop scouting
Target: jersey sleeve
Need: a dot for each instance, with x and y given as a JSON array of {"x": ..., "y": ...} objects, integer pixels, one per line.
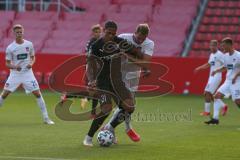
[
  {"x": 8, "y": 54},
  {"x": 149, "y": 49}
]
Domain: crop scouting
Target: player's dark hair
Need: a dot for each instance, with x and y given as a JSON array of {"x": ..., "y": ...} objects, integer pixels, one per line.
[
  {"x": 143, "y": 29},
  {"x": 227, "y": 40},
  {"x": 110, "y": 24}
]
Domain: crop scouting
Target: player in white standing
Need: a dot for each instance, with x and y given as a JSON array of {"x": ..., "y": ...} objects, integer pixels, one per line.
[
  {"x": 20, "y": 58},
  {"x": 232, "y": 82},
  {"x": 215, "y": 61},
  {"x": 131, "y": 75}
]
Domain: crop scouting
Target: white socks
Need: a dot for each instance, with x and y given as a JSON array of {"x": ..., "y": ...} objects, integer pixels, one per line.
[
  {"x": 127, "y": 118},
  {"x": 218, "y": 104},
  {"x": 127, "y": 121},
  {"x": 1, "y": 101},
  {"x": 207, "y": 106},
  {"x": 42, "y": 106}
]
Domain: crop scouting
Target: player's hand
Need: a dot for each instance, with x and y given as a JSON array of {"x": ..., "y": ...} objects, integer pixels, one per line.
[
  {"x": 18, "y": 68},
  {"x": 29, "y": 66},
  {"x": 213, "y": 73},
  {"x": 196, "y": 70}
]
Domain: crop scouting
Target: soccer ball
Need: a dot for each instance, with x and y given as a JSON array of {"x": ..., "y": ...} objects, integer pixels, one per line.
[{"x": 105, "y": 138}]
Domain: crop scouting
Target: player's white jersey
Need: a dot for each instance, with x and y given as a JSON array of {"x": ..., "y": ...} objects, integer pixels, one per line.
[
  {"x": 131, "y": 72},
  {"x": 19, "y": 54},
  {"x": 232, "y": 63},
  {"x": 216, "y": 60}
]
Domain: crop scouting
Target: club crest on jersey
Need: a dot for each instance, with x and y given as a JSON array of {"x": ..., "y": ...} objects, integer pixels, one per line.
[{"x": 27, "y": 49}]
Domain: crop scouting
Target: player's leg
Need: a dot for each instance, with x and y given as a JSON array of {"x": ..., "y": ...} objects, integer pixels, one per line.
[
  {"x": 106, "y": 108},
  {"x": 235, "y": 92},
  {"x": 30, "y": 85},
  {"x": 10, "y": 86},
  {"x": 42, "y": 105},
  {"x": 218, "y": 103},
  {"x": 208, "y": 99},
  {"x": 94, "y": 105},
  {"x": 3, "y": 96}
]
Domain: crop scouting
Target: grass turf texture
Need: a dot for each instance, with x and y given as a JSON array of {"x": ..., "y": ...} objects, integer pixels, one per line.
[{"x": 23, "y": 136}]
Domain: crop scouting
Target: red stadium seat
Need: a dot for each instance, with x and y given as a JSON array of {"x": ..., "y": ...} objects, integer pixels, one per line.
[
  {"x": 36, "y": 15},
  {"x": 206, "y": 20},
  {"x": 212, "y": 28},
  {"x": 203, "y": 28},
  {"x": 212, "y": 4},
  {"x": 235, "y": 20},
  {"x": 237, "y": 12},
  {"x": 199, "y": 37},
  {"x": 232, "y": 29},
  {"x": 222, "y": 29},
  {"x": 221, "y": 4},
  {"x": 228, "y": 12},
  {"x": 208, "y": 37},
  {"x": 196, "y": 45}
]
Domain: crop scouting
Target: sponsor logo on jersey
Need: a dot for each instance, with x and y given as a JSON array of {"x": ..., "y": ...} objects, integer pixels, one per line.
[
  {"x": 230, "y": 66},
  {"x": 22, "y": 56}
]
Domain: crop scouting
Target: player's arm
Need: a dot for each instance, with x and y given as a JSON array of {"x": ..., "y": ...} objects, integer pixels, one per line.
[
  {"x": 235, "y": 77},
  {"x": 32, "y": 57},
  {"x": 9, "y": 65},
  {"x": 91, "y": 70},
  {"x": 202, "y": 67},
  {"x": 32, "y": 61},
  {"x": 92, "y": 66},
  {"x": 140, "y": 59},
  {"x": 8, "y": 62},
  {"x": 221, "y": 69}
]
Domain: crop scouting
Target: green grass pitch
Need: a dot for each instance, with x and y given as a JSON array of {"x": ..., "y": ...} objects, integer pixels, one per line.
[{"x": 170, "y": 129}]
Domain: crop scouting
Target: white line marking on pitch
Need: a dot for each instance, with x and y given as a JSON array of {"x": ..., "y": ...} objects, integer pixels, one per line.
[{"x": 32, "y": 158}]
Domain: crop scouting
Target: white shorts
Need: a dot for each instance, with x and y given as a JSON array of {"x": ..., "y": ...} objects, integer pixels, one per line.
[
  {"x": 27, "y": 80},
  {"x": 227, "y": 88},
  {"x": 213, "y": 83},
  {"x": 235, "y": 91}
]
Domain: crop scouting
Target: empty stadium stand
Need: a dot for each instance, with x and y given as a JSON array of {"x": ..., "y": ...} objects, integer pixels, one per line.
[
  {"x": 221, "y": 19},
  {"x": 67, "y": 33}
]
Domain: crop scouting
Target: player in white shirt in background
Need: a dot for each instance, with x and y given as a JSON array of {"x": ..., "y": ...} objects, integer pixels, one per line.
[
  {"x": 232, "y": 82},
  {"x": 20, "y": 58},
  {"x": 131, "y": 75},
  {"x": 215, "y": 61}
]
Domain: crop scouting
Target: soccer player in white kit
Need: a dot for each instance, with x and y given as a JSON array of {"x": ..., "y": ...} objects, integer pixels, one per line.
[
  {"x": 232, "y": 82},
  {"x": 20, "y": 58},
  {"x": 131, "y": 75},
  {"x": 215, "y": 61}
]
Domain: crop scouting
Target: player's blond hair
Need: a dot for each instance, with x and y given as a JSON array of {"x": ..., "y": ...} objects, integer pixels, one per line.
[
  {"x": 143, "y": 29},
  {"x": 214, "y": 42},
  {"x": 17, "y": 26},
  {"x": 96, "y": 27}
]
